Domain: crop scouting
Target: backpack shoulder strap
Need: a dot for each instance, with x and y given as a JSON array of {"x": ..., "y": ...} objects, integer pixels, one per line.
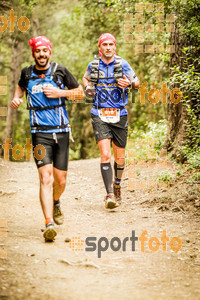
[
  {"x": 54, "y": 67},
  {"x": 28, "y": 71},
  {"x": 94, "y": 76},
  {"x": 118, "y": 72}
]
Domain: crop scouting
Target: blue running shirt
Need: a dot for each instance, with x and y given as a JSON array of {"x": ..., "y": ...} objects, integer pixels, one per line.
[
  {"x": 48, "y": 117},
  {"x": 108, "y": 94}
]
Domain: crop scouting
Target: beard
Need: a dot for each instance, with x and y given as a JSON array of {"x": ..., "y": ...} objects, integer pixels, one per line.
[
  {"x": 41, "y": 64},
  {"x": 108, "y": 55}
]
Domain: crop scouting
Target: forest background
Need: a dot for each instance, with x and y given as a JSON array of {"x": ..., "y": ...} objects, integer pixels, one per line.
[{"x": 170, "y": 28}]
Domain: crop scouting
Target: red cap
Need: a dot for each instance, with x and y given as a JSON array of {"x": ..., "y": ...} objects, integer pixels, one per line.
[
  {"x": 106, "y": 36},
  {"x": 40, "y": 41}
]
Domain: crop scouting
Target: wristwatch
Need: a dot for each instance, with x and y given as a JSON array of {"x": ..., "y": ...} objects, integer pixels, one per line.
[
  {"x": 87, "y": 86},
  {"x": 132, "y": 85}
]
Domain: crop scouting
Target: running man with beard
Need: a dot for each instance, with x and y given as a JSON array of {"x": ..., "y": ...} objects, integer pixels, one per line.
[
  {"x": 111, "y": 76},
  {"x": 45, "y": 84}
]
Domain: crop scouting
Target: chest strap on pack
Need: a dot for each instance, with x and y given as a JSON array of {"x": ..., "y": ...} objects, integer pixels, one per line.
[
  {"x": 41, "y": 127},
  {"x": 99, "y": 107},
  {"x": 36, "y": 108},
  {"x": 53, "y": 74}
]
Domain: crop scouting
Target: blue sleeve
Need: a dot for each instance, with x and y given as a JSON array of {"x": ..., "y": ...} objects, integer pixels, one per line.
[{"x": 127, "y": 70}]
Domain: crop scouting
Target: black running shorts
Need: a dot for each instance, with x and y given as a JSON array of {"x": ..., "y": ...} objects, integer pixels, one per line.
[
  {"x": 51, "y": 148},
  {"x": 117, "y": 132}
]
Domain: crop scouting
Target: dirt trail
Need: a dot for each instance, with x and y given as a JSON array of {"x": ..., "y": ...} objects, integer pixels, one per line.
[{"x": 33, "y": 269}]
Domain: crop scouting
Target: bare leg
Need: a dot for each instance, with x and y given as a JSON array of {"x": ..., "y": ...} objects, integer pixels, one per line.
[
  {"x": 46, "y": 195},
  {"x": 105, "y": 150},
  {"x": 119, "y": 154},
  {"x": 59, "y": 183}
]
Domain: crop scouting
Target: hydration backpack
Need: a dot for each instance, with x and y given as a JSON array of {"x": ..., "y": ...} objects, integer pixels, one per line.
[
  {"x": 42, "y": 76},
  {"x": 53, "y": 74},
  {"x": 118, "y": 73},
  {"x": 28, "y": 77}
]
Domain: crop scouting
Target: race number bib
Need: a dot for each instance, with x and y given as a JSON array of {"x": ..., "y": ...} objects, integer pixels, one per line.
[{"x": 109, "y": 115}]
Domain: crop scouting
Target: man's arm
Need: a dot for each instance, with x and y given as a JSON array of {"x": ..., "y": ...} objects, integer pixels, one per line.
[
  {"x": 85, "y": 82},
  {"x": 19, "y": 93},
  {"x": 135, "y": 84},
  {"x": 125, "y": 82},
  {"x": 73, "y": 94},
  {"x": 89, "y": 89},
  {"x": 129, "y": 78},
  {"x": 74, "y": 91}
]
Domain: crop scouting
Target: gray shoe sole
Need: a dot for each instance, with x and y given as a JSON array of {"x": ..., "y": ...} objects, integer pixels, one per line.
[
  {"x": 59, "y": 220},
  {"x": 50, "y": 233},
  {"x": 110, "y": 204}
]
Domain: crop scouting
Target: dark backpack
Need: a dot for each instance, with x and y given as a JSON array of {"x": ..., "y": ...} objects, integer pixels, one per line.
[
  {"x": 29, "y": 70},
  {"x": 55, "y": 79},
  {"x": 118, "y": 73}
]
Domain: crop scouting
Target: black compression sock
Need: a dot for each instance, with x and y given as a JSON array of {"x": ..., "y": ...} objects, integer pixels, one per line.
[
  {"x": 107, "y": 174},
  {"x": 118, "y": 172},
  {"x": 56, "y": 202}
]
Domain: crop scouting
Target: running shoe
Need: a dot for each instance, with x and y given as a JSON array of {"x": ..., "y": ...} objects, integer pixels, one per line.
[
  {"x": 110, "y": 202},
  {"x": 58, "y": 215},
  {"x": 117, "y": 193},
  {"x": 50, "y": 232}
]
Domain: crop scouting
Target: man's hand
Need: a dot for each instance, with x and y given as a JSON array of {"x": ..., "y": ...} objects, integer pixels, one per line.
[
  {"x": 52, "y": 92},
  {"x": 123, "y": 82},
  {"x": 16, "y": 102},
  {"x": 90, "y": 91}
]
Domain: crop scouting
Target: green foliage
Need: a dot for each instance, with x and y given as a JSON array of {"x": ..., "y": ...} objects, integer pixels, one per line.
[
  {"x": 147, "y": 145},
  {"x": 188, "y": 19},
  {"x": 187, "y": 76},
  {"x": 157, "y": 132},
  {"x": 74, "y": 28},
  {"x": 7, "y": 42},
  {"x": 188, "y": 80},
  {"x": 92, "y": 19},
  {"x": 192, "y": 155},
  {"x": 165, "y": 176},
  {"x": 194, "y": 178}
]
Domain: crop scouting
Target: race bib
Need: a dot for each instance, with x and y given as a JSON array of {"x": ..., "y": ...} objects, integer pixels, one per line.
[{"x": 109, "y": 115}]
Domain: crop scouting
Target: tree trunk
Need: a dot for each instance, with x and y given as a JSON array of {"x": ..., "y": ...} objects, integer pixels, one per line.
[
  {"x": 176, "y": 133},
  {"x": 36, "y": 26},
  {"x": 15, "y": 70}
]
